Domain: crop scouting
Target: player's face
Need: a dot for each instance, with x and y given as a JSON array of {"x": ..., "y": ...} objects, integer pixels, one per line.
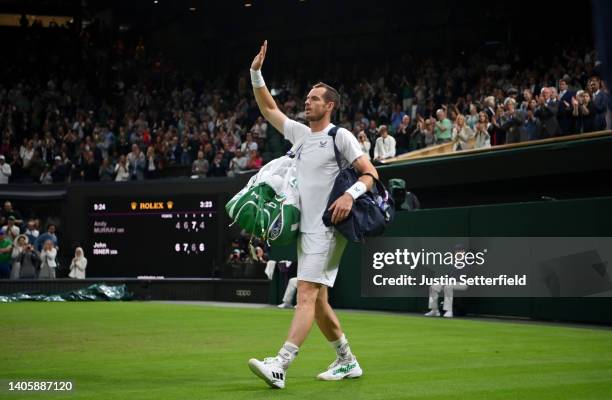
[{"x": 315, "y": 106}]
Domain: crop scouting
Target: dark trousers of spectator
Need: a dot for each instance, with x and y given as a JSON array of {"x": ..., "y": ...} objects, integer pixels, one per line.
[{"x": 5, "y": 270}]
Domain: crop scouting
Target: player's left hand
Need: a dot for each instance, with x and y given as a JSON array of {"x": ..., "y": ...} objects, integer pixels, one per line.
[{"x": 341, "y": 208}]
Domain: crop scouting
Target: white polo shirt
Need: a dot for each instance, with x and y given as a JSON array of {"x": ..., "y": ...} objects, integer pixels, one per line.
[{"x": 317, "y": 169}]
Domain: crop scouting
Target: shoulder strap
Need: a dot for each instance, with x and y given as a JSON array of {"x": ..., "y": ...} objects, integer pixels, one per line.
[{"x": 332, "y": 132}]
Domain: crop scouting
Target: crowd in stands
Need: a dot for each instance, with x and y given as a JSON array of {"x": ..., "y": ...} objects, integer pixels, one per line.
[
  {"x": 116, "y": 113},
  {"x": 28, "y": 253}
]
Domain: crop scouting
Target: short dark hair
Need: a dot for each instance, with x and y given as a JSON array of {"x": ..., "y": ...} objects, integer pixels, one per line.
[{"x": 331, "y": 95}]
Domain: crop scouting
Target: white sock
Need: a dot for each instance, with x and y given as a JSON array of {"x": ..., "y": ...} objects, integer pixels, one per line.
[
  {"x": 342, "y": 348},
  {"x": 287, "y": 354}
]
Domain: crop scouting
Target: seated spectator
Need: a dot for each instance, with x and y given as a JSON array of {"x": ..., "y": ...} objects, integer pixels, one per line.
[
  {"x": 5, "y": 170},
  {"x": 48, "y": 262},
  {"x": 78, "y": 264},
  {"x": 385, "y": 145},
  {"x": 443, "y": 128},
  {"x": 461, "y": 134},
  {"x": 199, "y": 168},
  {"x": 6, "y": 250}
]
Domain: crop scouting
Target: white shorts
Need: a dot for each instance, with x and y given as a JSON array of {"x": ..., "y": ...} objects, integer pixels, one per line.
[{"x": 319, "y": 256}]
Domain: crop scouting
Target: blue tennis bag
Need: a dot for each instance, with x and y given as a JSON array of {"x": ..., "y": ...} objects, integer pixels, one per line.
[{"x": 371, "y": 212}]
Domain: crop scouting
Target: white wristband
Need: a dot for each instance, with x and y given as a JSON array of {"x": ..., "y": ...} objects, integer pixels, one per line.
[
  {"x": 257, "y": 79},
  {"x": 357, "y": 189}
]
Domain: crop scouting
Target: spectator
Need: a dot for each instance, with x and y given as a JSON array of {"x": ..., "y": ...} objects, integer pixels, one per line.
[
  {"x": 200, "y": 167},
  {"x": 31, "y": 232},
  {"x": 5, "y": 170},
  {"x": 385, "y": 145},
  {"x": 48, "y": 262},
  {"x": 443, "y": 128},
  {"x": 237, "y": 164},
  {"x": 473, "y": 118},
  {"x": 19, "y": 245},
  {"x": 462, "y": 134},
  {"x": 136, "y": 163},
  {"x": 397, "y": 117},
  {"x": 546, "y": 112},
  {"x": 152, "y": 164},
  {"x": 59, "y": 172},
  {"x": 402, "y": 135},
  {"x": 564, "y": 115},
  {"x": 218, "y": 168},
  {"x": 49, "y": 235},
  {"x": 511, "y": 123},
  {"x": 364, "y": 144},
  {"x": 482, "y": 136},
  {"x": 78, "y": 264},
  {"x": 532, "y": 128},
  {"x": 29, "y": 261},
  {"x": 106, "y": 171},
  {"x": 122, "y": 170},
  {"x": 6, "y": 249},
  {"x": 45, "y": 177},
  {"x": 91, "y": 169},
  {"x": 600, "y": 103},
  {"x": 255, "y": 160},
  {"x": 8, "y": 211},
  {"x": 248, "y": 145}
]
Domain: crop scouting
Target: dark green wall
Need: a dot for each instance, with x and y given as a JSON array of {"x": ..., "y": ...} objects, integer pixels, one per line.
[{"x": 582, "y": 217}]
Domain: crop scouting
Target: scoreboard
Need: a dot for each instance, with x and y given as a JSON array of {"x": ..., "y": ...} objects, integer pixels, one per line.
[{"x": 169, "y": 236}]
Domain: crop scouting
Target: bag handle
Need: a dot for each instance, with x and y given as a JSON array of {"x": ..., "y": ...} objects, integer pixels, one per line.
[{"x": 379, "y": 185}]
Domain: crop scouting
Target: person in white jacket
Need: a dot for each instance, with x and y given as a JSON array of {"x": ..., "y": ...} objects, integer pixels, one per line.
[
  {"x": 5, "y": 170},
  {"x": 78, "y": 264},
  {"x": 385, "y": 144},
  {"x": 48, "y": 261}
]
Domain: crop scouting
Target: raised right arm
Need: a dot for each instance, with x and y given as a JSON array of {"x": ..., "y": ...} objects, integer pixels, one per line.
[{"x": 265, "y": 102}]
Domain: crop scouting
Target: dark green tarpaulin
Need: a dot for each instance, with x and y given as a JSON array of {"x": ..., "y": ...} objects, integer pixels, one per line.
[{"x": 95, "y": 292}]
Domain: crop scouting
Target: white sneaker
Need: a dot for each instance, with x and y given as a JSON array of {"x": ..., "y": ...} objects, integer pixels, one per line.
[
  {"x": 448, "y": 314},
  {"x": 433, "y": 313},
  {"x": 284, "y": 305},
  {"x": 269, "y": 370},
  {"x": 341, "y": 369}
]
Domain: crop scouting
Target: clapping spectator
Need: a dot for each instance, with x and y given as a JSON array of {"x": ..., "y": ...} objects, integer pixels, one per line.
[
  {"x": 255, "y": 160},
  {"x": 6, "y": 249},
  {"x": 48, "y": 263},
  {"x": 462, "y": 134},
  {"x": 237, "y": 164},
  {"x": 78, "y": 264},
  {"x": 136, "y": 163},
  {"x": 482, "y": 136},
  {"x": 385, "y": 145},
  {"x": 443, "y": 128},
  {"x": 200, "y": 167}
]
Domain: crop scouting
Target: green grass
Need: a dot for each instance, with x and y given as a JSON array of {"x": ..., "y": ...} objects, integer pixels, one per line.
[{"x": 133, "y": 350}]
